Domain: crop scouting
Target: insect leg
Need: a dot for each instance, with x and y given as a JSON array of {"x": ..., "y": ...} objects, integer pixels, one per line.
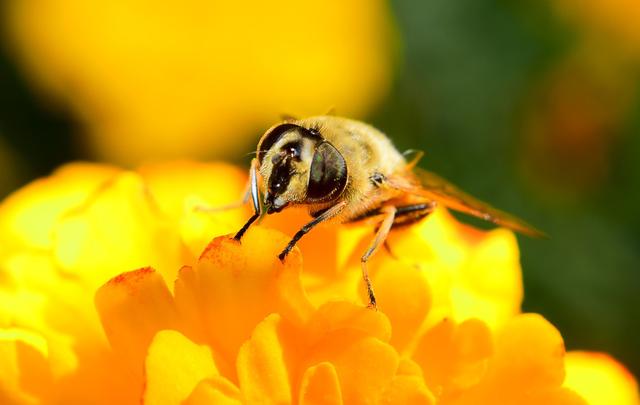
[
  {"x": 328, "y": 214},
  {"x": 389, "y": 213},
  {"x": 255, "y": 198}
]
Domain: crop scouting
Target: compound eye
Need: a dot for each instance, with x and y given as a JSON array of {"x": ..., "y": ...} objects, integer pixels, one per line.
[
  {"x": 328, "y": 173},
  {"x": 271, "y": 137}
]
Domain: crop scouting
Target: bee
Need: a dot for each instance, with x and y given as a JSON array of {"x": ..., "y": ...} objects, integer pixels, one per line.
[{"x": 344, "y": 170}]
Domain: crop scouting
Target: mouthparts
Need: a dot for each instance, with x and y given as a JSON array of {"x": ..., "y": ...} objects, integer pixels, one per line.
[
  {"x": 274, "y": 208},
  {"x": 272, "y": 205}
]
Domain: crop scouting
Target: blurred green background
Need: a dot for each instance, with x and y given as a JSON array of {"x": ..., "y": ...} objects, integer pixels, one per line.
[{"x": 526, "y": 104}]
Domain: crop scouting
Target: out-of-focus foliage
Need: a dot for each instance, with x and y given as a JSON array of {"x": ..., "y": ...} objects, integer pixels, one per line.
[
  {"x": 533, "y": 106},
  {"x": 520, "y": 106}
]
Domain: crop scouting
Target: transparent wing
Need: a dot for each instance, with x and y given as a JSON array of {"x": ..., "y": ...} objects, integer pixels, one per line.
[{"x": 434, "y": 187}]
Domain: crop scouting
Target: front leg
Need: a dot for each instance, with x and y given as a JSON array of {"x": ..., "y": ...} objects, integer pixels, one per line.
[
  {"x": 328, "y": 214},
  {"x": 255, "y": 198}
]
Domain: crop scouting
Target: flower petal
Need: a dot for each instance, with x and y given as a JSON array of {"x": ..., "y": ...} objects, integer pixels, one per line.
[
  {"x": 364, "y": 364},
  {"x": 600, "y": 379},
  {"x": 28, "y": 215},
  {"x": 173, "y": 367},
  {"x": 235, "y": 285},
  {"x": 117, "y": 229},
  {"x": 490, "y": 286},
  {"x": 24, "y": 367},
  {"x": 133, "y": 307},
  {"x": 526, "y": 368},
  {"x": 471, "y": 273},
  {"x": 186, "y": 190},
  {"x": 540, "y": 365},
  {"x": 216, "y": 390},
  {"x": 454, "y": 357},
  {"x": 262, "y": 371},
  {"x": 405, "y": 389},
  {"x": 405, "y": 297},
  {"x": 339, "y": 315},
  {"x": 320, "y": 386},
  {"x": 409, "y": 367}
]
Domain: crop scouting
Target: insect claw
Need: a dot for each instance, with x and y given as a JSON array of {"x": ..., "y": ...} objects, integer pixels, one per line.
[
  {"x": 372, "y": 303},
  {"x": 282, "y": 256}
]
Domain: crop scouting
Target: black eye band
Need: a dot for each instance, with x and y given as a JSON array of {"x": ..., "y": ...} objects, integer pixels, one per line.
[
  {"x": 328, "y": 173},
  {"x": 280, "y": 176}
]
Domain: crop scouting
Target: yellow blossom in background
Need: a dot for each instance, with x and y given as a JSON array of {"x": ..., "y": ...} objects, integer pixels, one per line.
[
  {"x": 616, "y": 22},
  {"x": 215, "y": 71},
  {"x": 116, "y": 288}
]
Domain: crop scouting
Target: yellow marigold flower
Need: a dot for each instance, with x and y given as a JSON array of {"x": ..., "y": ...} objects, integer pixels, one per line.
[
  {"x": 209, "y": 68},
  {"x": 214, "y": 321}
]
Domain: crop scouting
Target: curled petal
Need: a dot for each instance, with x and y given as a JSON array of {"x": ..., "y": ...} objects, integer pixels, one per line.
[
  {"x": 320, "y": 386},
  {"x": 364, "y": 364},
  {"x": 262, "y": 369},
  {"x": 454, "y": 357},
  {"x": 526, "y": 368},
  {"x": 133, "y": 307},
  {"x": 236, "y": 285}
]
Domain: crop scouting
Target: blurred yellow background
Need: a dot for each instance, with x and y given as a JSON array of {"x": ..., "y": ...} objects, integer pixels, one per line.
[{"x": 153, "y": 80}]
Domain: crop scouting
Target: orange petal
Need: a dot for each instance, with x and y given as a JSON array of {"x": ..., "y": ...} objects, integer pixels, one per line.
[
  {"x": 320, "y": 386},
  {"x": 405, "y": 389},
  {"x": 527, "y": 367},
  {"x": 236, "y": 285},
  {"x": 133, "y": 307},
  {"x": 454, "y": 357},
  {"x": 600, "y": 379},
  {"x": 24, "y": 367},
  {"x": 529, "y": 354},
  {"x": 364, "y": 364},
  {"x": 173, "y": 367},
  {"x": 262, "y": 371},
  {"x": 405, "y": 297},
  {"x": 217, "y": 390},
  {"x": 409, "y": 367},
  {"x": 334, "y": 316},
  {"x": 551, "y": 396}
]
